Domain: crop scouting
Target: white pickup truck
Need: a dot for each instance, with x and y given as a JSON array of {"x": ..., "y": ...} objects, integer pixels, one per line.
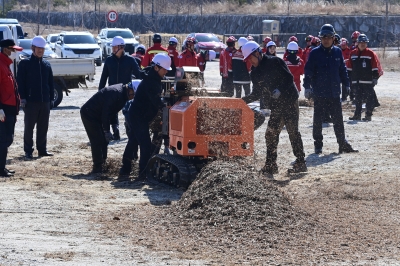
[{"x": 71, "y": 73}]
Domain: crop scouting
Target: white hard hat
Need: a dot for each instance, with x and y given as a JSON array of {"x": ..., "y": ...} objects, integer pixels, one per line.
[
  {"x": 173, "y": 39},
  {"x": 211, "y": 55},
  {"x": 249, "y": 48},
  {"x": 293, "y": 46},
  {"x": 162, "y": 60},
  {"x": 242, "y": 41},
  {"x": 117, "y": 40},
  {"x": 39, "y": 41},
  {"x": 271, "y": 43},
  {"x": 141, "y": 46}
]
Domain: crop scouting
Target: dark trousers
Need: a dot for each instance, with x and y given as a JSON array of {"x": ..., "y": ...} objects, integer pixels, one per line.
[
  {"x": 114, "y": 121},
  {"x": 141, "y": 136},
  {"x": 238, "y": 89},
  {"x": 98, "y": 142},
  {"x": 131, "y": 148},
  {"x": 334, "y": 108},
  {"x": 365, "y": 92},
  {"x": 36, "y": 113},
  {"x": 6, "y": 138},
  {"x": 283, "y": 114},
  {"x": 227, "y": 85}
]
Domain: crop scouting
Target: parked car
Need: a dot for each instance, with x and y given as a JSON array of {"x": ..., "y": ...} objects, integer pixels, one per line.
[
  {"x": 206, "y": 41},
  {"x": 78, "y": 44},
  {"x": 27, "y": 44},
  {"x": 107, "y": 34},
  {"x": 51, "y": 40}
]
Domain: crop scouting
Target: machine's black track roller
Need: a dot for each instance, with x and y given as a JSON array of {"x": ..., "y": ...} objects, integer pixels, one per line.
[{"x": 171, "y": 169}]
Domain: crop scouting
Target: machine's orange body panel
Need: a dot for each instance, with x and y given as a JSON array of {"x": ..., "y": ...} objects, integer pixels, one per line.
[{"x": 214, "y": 125}]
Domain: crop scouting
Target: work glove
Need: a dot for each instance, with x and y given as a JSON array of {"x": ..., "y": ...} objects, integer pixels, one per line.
[
  {"x": 109, "y": 137},
  {"x": 2, "y": 115},
  {"x": 275, "y": 94},
  {"x": 308, "y": 94},
  {"x": 23, "y": 103},
  {"x": 375, "y": 82}
]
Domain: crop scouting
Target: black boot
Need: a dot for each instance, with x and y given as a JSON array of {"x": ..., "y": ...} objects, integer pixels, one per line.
[
  {"x": 346, "y": 148},
  {"x": 270, "y": 168},
  {"x": 299, "y": 166}
]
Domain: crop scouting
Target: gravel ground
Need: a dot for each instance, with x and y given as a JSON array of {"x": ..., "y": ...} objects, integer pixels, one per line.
[{"x": 344, "y": 211}]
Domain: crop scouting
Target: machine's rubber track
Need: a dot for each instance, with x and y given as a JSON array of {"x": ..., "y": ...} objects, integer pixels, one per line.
[{"x": 172, "y": 169}]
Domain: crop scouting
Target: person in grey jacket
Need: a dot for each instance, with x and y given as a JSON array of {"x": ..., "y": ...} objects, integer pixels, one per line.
[
  {"x": 36, "y": 88},
  {"x": 118, "y": 68}
]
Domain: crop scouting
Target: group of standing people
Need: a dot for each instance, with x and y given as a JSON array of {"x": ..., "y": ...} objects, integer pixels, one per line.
[{"x": 33, "y": 90}]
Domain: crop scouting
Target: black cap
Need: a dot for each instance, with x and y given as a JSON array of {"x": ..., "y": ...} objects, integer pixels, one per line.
[
  {"x": 9, "y": 43},
  {"x": 157, "y": 38}
]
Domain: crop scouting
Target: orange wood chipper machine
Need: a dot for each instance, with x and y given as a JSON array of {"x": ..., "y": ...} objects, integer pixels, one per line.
[{"x": 201, "y": 126}]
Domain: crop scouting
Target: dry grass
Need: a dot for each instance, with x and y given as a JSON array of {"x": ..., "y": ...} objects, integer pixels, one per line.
[{"x": 317, "y": 7}]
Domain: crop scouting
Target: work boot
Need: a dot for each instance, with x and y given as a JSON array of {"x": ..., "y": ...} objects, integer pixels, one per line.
[
  {"x": 270, "y": 168},
  {"x": 299, "y": 166},
  {"x": 367, "y": 118},
  {"x": 10, "y": 171},
  {"x": 97, "y": 169},
  {"x": 346, "y": 148},
  {"x": 5, "y": 173},
  {"x": 317, "y": 150},
  {"x": 355, "y": 117}
]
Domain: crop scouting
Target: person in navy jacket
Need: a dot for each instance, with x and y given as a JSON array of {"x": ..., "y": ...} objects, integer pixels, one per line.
[
  {"x": 36, "y": 88},
  {"x": 324, "y": 72}
]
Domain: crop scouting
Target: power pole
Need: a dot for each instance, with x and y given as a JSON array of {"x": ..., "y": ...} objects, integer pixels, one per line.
[
  {"x": 386, "y": 22},
  {"x": 38, "y": 17}
]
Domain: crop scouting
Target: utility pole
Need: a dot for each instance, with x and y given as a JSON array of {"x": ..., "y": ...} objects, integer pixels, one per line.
[
  {"x": 38, "y": 17},
  {"x": 152, "y": 8},
  {"x": 386, "y": 22}
]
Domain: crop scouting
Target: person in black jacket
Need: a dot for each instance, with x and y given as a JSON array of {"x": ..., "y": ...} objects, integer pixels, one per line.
[
  {"x": 96, "y": 114},
  {"x": 142, "y": 111},
  {"x": 272, "y": 80},
  {"x": 118, "y": 68},
  {"x": 36, "y": 88}
]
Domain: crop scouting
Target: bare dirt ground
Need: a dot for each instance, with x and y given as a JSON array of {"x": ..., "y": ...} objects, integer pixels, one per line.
[{"x": 344, "y": 211}]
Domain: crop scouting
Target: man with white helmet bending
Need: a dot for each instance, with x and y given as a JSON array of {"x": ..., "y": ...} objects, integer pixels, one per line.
[
  {"x": 142, "y": 111},
  {"x": 118, "y": 68},
  {"x": 272, "y": 80},
  {"x": 36, "y": 88}
]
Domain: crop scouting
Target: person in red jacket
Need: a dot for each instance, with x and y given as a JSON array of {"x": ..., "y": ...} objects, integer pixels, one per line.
[
  {"x": 202, "y": 58},
  {"x": 363, "y": 69},
  {"x": 354, "y": 37},
  {"x": 139, "y": 54},
  {"x": 308, "y": 48},
  {"x": 294, "y": 63},
  {"x": 344, "y": 45},
  {"x": 153, "y": 50},
  {"x": 264, "y": 44},
  {"x": 188, "y": 57},
  {"x": 299, "y": 53},
  {"x": 225, "y": 66},
  {"x": 9, "y": 102},
  {"x": 173, "y": 54},
  {"x": 241, "y": 71}
]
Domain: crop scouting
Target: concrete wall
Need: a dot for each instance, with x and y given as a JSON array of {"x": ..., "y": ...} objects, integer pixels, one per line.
[{"x": 373, "y": 26}]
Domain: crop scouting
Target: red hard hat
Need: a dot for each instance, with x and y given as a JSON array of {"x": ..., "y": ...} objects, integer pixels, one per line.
[
  {"x": 293, "y": 39},
  {"x": 267, "y": 40},
  {"x": 231, "y": 39},
  {"x": 315, "y": 40},
  {"x": 355, "y": 34},
  {"x": 344, "y": 40},
  {"x": 309, "y": 38},
  {"x": 191, "y": 39}
]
